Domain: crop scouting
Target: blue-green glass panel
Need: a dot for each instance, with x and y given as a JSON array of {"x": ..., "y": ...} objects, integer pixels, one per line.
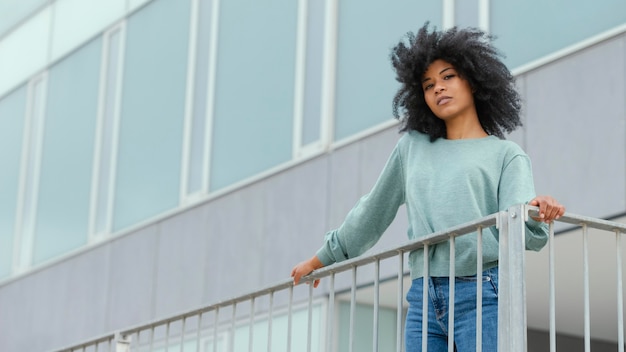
[
  {"x": 12, "y": 12},
  {"x": 253, "y": 124},
  {"x": 152, "y": 112},
  {"x": 466, "y": 13},
  {"x": 364, "y": 328},
  {"x": 12, "y": 115},
  {"x": 312, "y": 114},
  {"x": 67, "y": 154},
  {"x": 530, "y": 29},
  {"x": 366, "y": 84}
]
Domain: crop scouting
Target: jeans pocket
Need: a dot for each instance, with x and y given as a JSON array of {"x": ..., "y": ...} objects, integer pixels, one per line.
[
  {"x": 494, "y": 285},
  {"x": 488, "y": 276}
]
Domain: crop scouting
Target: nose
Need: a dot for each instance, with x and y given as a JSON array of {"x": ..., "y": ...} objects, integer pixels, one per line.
[{"x": 439, "y": 88}]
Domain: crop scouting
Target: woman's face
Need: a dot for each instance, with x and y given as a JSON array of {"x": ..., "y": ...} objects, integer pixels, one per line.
[{"x": 447, "y": 94}]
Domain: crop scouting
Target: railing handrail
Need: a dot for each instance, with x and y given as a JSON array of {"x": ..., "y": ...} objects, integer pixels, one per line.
[{"x": 368, "y": 258}]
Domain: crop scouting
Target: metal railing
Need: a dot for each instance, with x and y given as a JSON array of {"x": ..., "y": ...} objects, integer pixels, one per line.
[{"x": 284, "y": 317}]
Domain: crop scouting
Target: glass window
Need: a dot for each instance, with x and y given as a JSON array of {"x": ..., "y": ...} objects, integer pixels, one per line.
[
  {"x": 253, "y": 113},
  {"x": 29, "y": 173},
  {"x": 311, "y": 129},
  {"x": 365, "y": 79},
  {"x": 363, "y": 326},
  {"x": 12, "y": 12},
  {"x": 77, "y": 21},
  {"x": 107, "y": 134},
  {"x": 12, "y": 116},
  {"x": 466, "y": 13},
  {"x": 197, "y": 177},
  {"x": 555, "y": 25},
  {"x": 67, "y": 153},
  {"x": 24, "y": 51},
  {"x": 152, "y": 112},
  {"x": 236, "y": 337}
]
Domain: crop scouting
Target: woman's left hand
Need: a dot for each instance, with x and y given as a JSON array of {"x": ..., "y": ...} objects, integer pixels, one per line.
[{"x": 549, "y": 208}]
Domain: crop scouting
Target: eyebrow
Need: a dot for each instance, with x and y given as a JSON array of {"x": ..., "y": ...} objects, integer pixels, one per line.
[{"x": 440, "y": 72}]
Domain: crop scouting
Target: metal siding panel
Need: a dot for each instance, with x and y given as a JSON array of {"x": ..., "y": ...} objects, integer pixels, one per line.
[
  {"x": 180, "y": 257},
  {"x": 131, "y": 287},
  {"x": 576, "y": 136},
  {"x": 234, "y": 225},
  {"x": 295, "y": 224},
  {"x": 63, "y": 304},
  {"x": 343, "y": 183}
]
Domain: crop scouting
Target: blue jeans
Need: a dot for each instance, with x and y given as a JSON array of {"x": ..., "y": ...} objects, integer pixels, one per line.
[{"x": 464, "y": 313}]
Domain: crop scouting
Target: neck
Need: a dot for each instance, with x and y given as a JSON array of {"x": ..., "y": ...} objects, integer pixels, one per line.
[{"x": 468, "y": 128}]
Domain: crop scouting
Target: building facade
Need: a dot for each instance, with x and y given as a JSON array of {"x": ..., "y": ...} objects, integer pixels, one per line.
[{"x": 159, "y": 155}]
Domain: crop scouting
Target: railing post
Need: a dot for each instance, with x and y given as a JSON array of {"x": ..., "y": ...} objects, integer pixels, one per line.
[
  {"x": 122, "y": 343},
  {"x": 512, "y": 287}
]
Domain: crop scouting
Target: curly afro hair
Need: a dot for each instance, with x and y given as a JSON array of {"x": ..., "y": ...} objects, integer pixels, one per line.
[{"x": 471, "y": 53}]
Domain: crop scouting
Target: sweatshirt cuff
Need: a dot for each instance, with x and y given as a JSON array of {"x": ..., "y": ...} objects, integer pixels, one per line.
[
  {"x": 537, "y": 235},
  {"x": 324, "y": 257}
]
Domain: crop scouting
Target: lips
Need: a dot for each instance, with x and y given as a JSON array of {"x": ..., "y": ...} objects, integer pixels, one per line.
[{"x": 443, "y": 100}]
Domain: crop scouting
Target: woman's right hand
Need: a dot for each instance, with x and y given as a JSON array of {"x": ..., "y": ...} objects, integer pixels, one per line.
[{"x": 305, "y": 268}]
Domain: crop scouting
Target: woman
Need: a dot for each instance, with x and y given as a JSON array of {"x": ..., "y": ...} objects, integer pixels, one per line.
[{"x": 457, "y": 100}]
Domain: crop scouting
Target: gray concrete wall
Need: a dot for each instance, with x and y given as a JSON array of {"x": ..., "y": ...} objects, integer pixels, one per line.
[{"x": 575, "y": 132}]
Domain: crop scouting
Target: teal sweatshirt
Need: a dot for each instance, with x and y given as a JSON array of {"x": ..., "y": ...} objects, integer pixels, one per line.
[{"x": 443, "y": 184}]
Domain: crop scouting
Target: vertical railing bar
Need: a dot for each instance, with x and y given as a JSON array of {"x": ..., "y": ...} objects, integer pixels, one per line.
[
  {"x": 151, "y": 338},
  {"x": 552, "y": 283},
  {"x": 425, "y": 300},
  {"x": 251, "y": 325},
  {"x": 135, "y": 339},
  {"x": 309, "y": 330},
  {"x": 216, "y": 322},
  {"x": 289, "y": 320},
  {"x": 233, "y": 325},
  {"x": 512, "y": 321},
  {"x": 620, "y": 293},
  {"x": 167, "y": 336},
  {"x": 97, "y": 347},
  {"x": 352, "y": 310},
  {"x": 270, "y": 319},
  {"x": 586, "y": 287},
  {"x": 479, "y": 290},
  {"x": 198, "y": 327},
  {"x": 182, "y": 335},
  {"x": 399, "y": 309},
  {"x": 452, "y": 281},
  {"x": 376, "y": 303},
  {"x": 331, "y": 314}
]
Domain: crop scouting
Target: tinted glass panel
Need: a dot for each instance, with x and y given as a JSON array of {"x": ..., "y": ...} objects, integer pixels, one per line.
[
  {"x": 67, "y": 153},
  {"x": 253, "y": 125},
  {"x": 365, "y": 79},
  {"x": 12, "y": 114},
  {"x": 152, "y": 112},
  {"x": 542, "y": 27}
]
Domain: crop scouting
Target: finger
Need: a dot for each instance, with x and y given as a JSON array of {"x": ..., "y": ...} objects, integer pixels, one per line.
[
  {"x": 555, "y": 212},
  {"x": 542, "y": 210},
  {"x": 317, "y": 282},
  {"x": 296, "y": 278}
]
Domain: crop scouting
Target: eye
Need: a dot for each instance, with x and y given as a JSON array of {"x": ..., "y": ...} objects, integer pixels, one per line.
[
  {"x": 447, "y": 77},
  {"x": 427, "y": 87}
]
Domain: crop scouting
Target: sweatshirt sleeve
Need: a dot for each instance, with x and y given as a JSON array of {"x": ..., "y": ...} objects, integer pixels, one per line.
[
  {"x": 516, "y": 187},
  {"x": 369, "y": 218}
]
